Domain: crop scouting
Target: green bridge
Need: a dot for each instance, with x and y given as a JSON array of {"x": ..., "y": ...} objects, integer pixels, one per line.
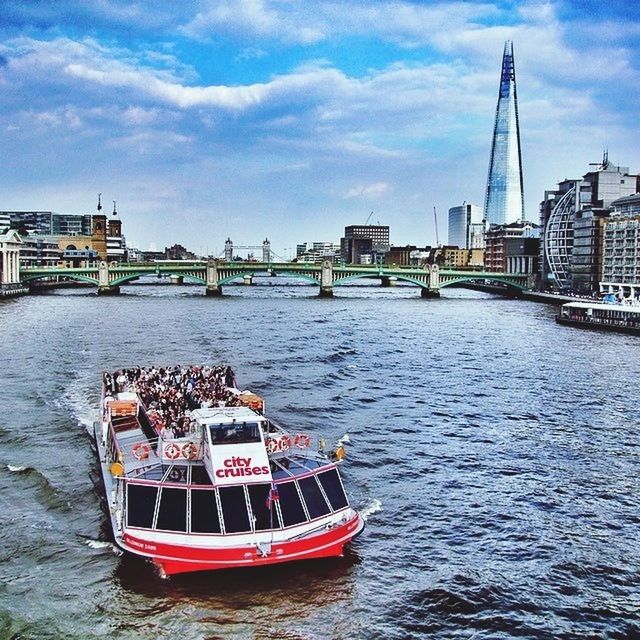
[{"x": 215, "y": 274}]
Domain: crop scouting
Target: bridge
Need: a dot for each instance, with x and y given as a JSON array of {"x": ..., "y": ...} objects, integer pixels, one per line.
[{"x": 214, "y": 275}]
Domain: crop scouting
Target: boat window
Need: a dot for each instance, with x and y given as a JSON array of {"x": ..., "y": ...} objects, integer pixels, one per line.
[
  {"x": 141, "y": 504},
  {"x": 290, "y": 504},
  {"x": 332, "y": 486},
  {"x": 204, "y": 511},
  {"x": 199, "y": 475},
  {"x": 235, "y": 433},
  {"x": 316, "y": 504},
  {"x": 265, "y": 518},
  {"x": 234, "y": 509},
  {"x": 172, "y": 514}
]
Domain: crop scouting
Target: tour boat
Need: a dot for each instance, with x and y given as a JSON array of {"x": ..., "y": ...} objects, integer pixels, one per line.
[
  {"x": 197, "y": 478},
  {"x": 597, "y": 315}
]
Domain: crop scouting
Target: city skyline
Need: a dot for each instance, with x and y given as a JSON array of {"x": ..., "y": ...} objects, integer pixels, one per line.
[{"x": 255, "y": 119}]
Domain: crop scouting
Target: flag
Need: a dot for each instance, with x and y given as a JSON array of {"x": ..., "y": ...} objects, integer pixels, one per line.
[{"x": 272, "y": 496}]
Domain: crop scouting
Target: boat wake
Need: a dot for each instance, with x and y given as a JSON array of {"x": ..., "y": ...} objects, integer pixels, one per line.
[
  {"x": 101, "y": 544},
  {"x": 78, "y": 400},
  {"x": 345, "y": 439},
  {"x": 370, "y": 509}
]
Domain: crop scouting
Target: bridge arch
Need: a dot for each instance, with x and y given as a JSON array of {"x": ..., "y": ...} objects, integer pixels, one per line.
[
  {"x": 248, "y": 272},
  {"x": 377, "y": 276},
  {"x": 67, "y": 276},
  {"x": 116, "y": 282},
  {"x": 509, "y": 284}
]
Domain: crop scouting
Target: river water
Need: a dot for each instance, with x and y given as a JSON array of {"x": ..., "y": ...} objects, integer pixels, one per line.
[{"x": 494, "y": 453}]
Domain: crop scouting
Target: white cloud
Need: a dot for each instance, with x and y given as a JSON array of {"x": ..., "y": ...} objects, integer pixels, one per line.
[{"x": 373, "y": 190}]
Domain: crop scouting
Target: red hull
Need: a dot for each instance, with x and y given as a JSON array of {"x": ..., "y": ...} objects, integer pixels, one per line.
[{"x": 173, "y": 559}]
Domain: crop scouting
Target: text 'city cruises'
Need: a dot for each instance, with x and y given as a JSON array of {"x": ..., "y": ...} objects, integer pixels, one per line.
[{"x": 198, "y": 478}]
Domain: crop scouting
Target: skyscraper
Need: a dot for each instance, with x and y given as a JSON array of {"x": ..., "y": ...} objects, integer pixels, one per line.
[
  {"x": 504, "y": 199},
  {"x": 461, "y": 225}
]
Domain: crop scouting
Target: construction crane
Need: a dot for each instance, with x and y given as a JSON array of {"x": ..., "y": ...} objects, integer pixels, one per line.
[
  {"x": 435, "y": 220},
  {"x": 367, "y": 220}
]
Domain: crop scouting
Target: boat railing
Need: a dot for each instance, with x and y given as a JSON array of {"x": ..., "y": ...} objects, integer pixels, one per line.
[{"x": 114, "y": 451}]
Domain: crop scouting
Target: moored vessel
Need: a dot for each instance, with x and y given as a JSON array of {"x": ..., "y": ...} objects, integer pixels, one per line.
[
  {"x": 197, "y": 477},
  {"x": 598, "y": 315}
]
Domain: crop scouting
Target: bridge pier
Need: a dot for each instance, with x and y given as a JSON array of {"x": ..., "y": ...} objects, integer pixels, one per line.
[
  {"x": 176, "y": 279},
  {"x": 326, "y": 280},
  {"x": 10, "y": 244},
  {"x": 429, "y": 293},
  {"x": 213, "y": 288},
  {"x": 388, "y": 281},
  {"x": 248, "y": 279},
  {"x": 104, "y": 288},
  {"x": 108, "y": 291}
]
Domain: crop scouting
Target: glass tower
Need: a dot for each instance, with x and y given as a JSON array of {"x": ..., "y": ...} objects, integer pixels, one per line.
[{"x": 504, "y": 199}]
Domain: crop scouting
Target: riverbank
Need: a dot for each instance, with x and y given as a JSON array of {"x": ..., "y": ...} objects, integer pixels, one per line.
[{"x": 534, "y": 296}]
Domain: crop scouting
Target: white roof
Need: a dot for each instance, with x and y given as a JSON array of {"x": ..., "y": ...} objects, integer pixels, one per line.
[
  {"x": 225, "y": 415},
  {"x": 603, "y": 305}
]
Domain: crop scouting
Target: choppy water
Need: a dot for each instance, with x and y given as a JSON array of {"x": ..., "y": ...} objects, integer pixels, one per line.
[{"x": 495, "y": 454}]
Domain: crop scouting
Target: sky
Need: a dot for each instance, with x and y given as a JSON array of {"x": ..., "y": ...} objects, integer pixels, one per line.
[{"x": 288, "y": 120}]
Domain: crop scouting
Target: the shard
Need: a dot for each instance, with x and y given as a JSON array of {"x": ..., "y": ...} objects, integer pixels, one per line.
[{"x": 504, "y": 199}]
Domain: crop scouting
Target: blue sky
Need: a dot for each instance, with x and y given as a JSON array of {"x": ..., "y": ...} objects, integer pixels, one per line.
[{"x": 289, "y": 120}]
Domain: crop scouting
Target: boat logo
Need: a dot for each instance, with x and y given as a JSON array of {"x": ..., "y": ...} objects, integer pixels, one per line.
[{"x": 237, "y": 466}]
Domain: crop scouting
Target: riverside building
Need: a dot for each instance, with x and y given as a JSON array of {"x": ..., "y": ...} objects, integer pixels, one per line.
[
  {"x": 572, "y": 219},
  {"x": 621, "y": 246},
  {"x": 512, "y": 248}
]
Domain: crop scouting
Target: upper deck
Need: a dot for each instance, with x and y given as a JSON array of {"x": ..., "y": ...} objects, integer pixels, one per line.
[{"x": 156, "y": 433}]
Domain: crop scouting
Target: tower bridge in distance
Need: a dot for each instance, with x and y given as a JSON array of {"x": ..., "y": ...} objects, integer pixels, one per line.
[{"x": 215, "y": 274}]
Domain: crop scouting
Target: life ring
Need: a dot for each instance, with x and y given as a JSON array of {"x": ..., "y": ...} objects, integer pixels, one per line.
[
  {"x": 284, "y": 444},
  {"x": 176, "y": 474},
  {"x": 172, "y": 451},
  {"x": 140, "y": 451},
  {"x": 302, "y": 440},
  {"x": 190, "y": 451},
  {"x": 272, "y": 445}
]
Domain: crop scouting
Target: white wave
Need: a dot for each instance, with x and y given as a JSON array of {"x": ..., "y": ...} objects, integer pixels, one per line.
[
  {"x": 76, "y": 399},
  {"x": 345, "y": 439},
  {"x": 101, "y": 544},
  {"x": 15, "y": 468},
  {"x": 372, "y": 508}
]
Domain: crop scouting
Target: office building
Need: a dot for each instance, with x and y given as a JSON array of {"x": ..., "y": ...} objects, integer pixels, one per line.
[
  {"x": 512, "y": 248},
  {"x": 465, "y": 224},
  {"x": 364, "y": 240},
  {"x": 621, "y": 245},
  {"x": 504, "y": 197},
  {"x": 579, "y": 206}
]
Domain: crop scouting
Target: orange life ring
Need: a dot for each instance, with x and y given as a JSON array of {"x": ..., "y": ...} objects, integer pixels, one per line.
[
  {"x": 172, "y": 451},
  {"x": 284, "y": 444},
  {"x": 140, "y": 451},
  {"x": 272, "y": 445},
  {"x": 302, "y": 440},
  {"x": 190, "y": 451}
]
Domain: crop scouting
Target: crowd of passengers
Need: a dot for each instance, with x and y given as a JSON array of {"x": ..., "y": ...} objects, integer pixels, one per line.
[{"x": 171, "y": 393}]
